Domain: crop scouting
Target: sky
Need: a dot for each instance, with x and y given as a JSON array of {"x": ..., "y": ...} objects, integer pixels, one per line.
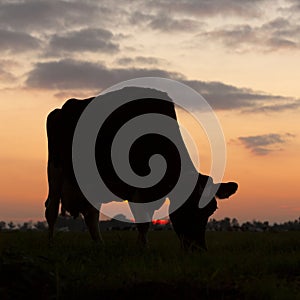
[{"x": 242, "y": 56}]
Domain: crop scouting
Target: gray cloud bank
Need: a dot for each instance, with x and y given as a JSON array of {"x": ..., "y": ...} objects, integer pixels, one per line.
[
  {"x": 68, "y": 74},
  {"x": 59, "y": 29},
  {"x": 142, "y": 60},
  {"x": 75, "y": 26},
  {"x": 265, "y": 144},
  {"x": 48, "y": 15},
  {"x": 165, "y": 14},
  {"x": 87, "y": 39},
  {"x": 275, "y": 35},
  {"x": 202, "y": 8},
  {"x": 73, "y": 74},
  {"x": 13, "y": 42}
]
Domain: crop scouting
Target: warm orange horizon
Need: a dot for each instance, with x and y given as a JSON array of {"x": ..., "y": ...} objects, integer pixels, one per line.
[{"x": 241, "y": 58}]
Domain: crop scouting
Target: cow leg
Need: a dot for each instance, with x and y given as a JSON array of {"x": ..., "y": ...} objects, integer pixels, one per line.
[
  {"x": 52, "y": 202},
  {"x": 143, "y": 218},
  {"x": 51, "y": 214},
  {"x": 91, "y": 218},
  {"x": 63, "y": 211},
  {"x": 143, "y": 229}
]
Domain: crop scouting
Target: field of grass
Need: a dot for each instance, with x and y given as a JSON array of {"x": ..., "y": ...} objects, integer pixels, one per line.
[{"x": 238, "y": 265}]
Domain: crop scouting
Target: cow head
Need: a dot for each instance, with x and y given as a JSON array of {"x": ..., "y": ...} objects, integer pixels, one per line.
[{"x": 189, "y": 221}]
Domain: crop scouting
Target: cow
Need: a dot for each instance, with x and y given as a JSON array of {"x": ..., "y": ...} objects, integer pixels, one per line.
[{"x": 188, "y": 220}]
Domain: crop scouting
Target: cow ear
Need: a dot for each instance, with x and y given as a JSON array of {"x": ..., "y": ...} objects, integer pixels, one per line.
[{"x": 227, "y": 189}]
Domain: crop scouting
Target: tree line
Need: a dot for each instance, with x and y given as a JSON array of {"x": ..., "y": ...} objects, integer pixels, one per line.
[{"x": 70, "y": 224}]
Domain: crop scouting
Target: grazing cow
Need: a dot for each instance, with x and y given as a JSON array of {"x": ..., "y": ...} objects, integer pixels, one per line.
[{"x": 189, "y": 221}]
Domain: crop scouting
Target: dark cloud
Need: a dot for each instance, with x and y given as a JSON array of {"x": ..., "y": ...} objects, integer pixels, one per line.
[
  {"x": 65, "y": 75},
  {"x": 249, "y": 8},
  {"x": 233, "y": 36},
  {"x": 279, "y": 107},
  {"x": 137, "y": 17},
  {"x": 49, "y": 15},
  {"x": 264, "y": 144},
  {"x": 294, "y": 6},
  {"x": 224, "y": 96},
  {"x": 65, "y": 20},
  {"x": 169, "y": 15},
  {"x": 88, "y": 39},
  {"x": 143, "y": 60},
  {"x": 163, "y": 22},
  {"x": 276, "y": 43},
  {"x": 17, "y": 42},
  {"x": 278, "y": 34},
  {"x": 71, "y": 74}
]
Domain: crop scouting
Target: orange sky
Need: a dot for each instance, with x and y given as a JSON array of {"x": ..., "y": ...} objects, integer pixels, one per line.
[{"x": 242, "y": 58}]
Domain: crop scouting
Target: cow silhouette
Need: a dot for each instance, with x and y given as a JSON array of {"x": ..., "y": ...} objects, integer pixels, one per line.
[{"x": 188, "y": 220}]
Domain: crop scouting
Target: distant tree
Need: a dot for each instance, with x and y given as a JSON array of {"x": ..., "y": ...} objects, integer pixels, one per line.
[
  {"x": 225, "y": 224},
  {"x": 11, "y": 225},
  {"x": 266, "y": 226},
  {"x": 235, "y": 224},
  {"x": 72, "y": 224},
  {"x": 2, "y": 225},
  {"x": 41, "y": 225},
  {"x": 120, "y": 217},
  {"x": 212, "y": 225},
  {"x": 24, "y": 227},
  {"x": 247, "y": 226},
  {"x": 255, "y": 226}
]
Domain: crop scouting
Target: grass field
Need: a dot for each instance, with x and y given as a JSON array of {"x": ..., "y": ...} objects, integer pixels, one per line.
[{"x": 238, "y": 265}]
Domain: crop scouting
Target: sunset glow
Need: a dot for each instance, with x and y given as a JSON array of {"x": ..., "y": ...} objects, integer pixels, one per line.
[{"x": 241, "y": 56}]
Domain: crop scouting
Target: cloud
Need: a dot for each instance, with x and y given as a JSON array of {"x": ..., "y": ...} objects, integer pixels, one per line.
[
  {"x": 223, "y": 96},
  {"x": 17, "y": 42},
  {"x": 49, "y": 15},
  {"x": 76, "y": 75},
  {"x": 6, "y": 71},
  {"x": 6, "y": 77},
  {"x": 143, "y": 60},
  {"x": 191, "y": 15},
  {"x": 163, "y": 22},
  {"x": 202, "y": 8},
  {"x": 264, "y": 144},
  {"x": 278, "y": 34},
  {"x": 71, "y": 74},
  {"x": 232, "y": 36},
  {"x": 65, "y": 20},
  {"x": 87, "y": 39},
  {"x": 294, "y": 6},
  {"x": 279, "y": 107},
  {"x": 8, "y": 64}
]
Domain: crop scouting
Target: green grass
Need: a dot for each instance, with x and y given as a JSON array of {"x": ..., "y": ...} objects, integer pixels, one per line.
[{"x": 238, "y": 265}]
